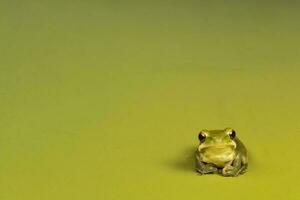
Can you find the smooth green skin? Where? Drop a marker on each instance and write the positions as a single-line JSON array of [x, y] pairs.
[[214, 143]]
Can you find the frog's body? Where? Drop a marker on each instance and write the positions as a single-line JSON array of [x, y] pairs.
[[221, 151]]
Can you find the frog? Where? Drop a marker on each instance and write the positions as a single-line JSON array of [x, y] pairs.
[[221, 152]]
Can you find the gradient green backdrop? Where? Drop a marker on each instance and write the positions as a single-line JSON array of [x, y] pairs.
[[104, 100]]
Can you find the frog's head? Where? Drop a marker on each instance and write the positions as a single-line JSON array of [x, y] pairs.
[[217, 139]]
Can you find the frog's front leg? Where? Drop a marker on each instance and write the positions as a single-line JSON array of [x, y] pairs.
[[204, 168], [233, 168]]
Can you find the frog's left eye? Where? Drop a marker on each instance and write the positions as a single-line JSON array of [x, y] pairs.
[[232, 134]]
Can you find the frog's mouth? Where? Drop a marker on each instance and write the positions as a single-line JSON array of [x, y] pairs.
[[218, 148]]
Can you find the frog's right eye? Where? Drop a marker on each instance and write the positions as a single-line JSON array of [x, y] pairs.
[[201, 136]]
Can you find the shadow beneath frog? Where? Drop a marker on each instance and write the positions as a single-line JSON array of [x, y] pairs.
[[185, 161]]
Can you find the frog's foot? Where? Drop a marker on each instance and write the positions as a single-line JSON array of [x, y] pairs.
[[227, 172], [230, 171], [207, 169]]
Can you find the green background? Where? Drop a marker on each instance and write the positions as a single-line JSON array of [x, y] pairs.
[[104, 100]]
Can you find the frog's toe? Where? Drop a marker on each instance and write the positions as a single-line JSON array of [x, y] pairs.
[[199, 172], [229, 174], [207, 170], [211, 168], [233, 172], [229, 171]]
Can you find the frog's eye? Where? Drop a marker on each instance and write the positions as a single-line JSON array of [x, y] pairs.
[[201, 136], [232, 134]]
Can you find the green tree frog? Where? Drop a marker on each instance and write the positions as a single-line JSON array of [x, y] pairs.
[[220, 151]]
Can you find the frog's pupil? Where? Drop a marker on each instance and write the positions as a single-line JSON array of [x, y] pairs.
[[201, 137], [232, 134]]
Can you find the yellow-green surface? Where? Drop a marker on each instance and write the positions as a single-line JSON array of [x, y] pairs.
[[104, 100]]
